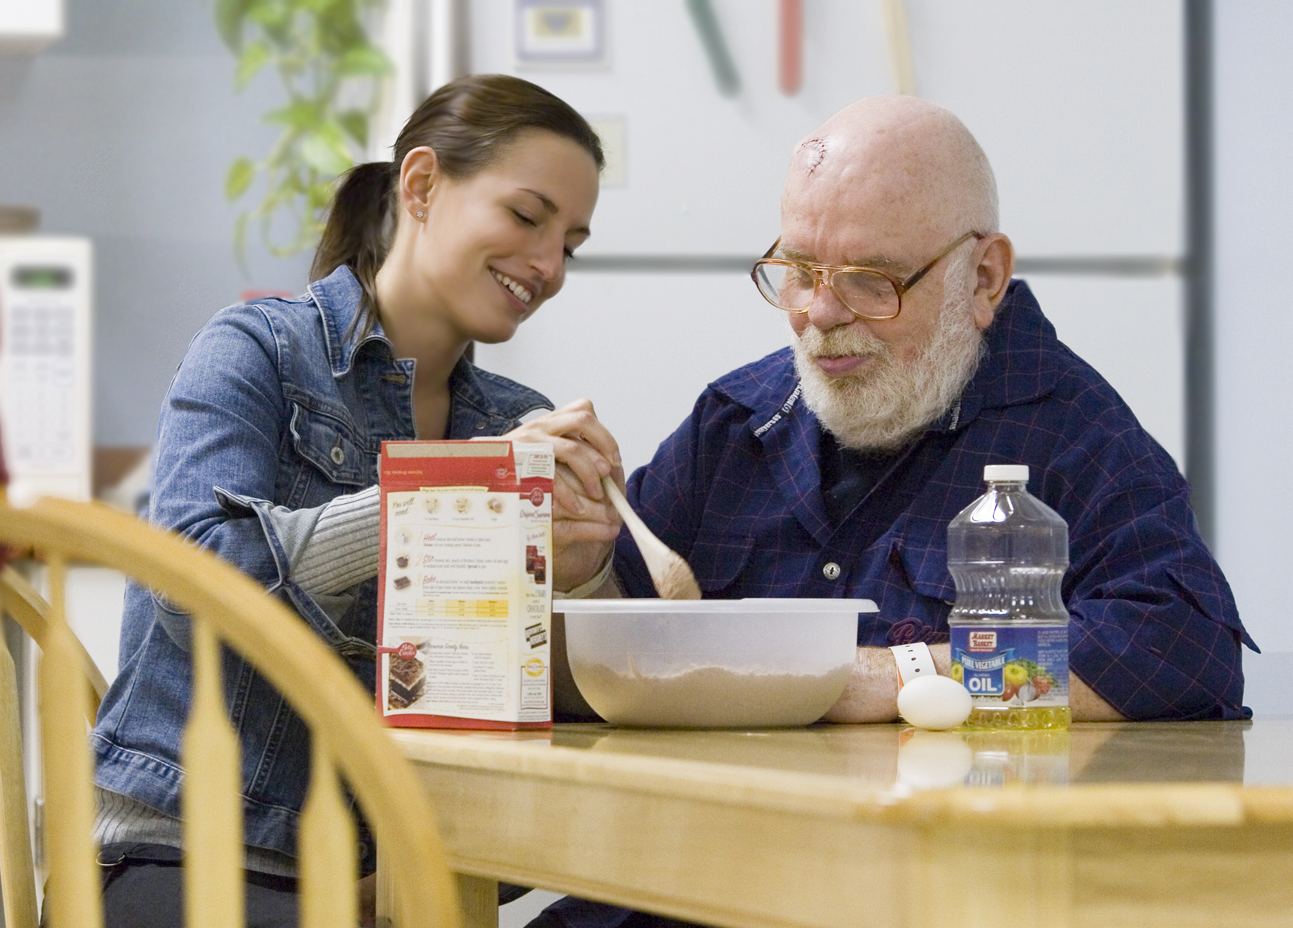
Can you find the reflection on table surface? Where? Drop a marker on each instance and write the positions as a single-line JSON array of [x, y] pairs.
[[887, 755], [1147, 824]]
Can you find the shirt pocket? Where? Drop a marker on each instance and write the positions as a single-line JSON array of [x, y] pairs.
[[921, 567], [329, 443], [718, 559]]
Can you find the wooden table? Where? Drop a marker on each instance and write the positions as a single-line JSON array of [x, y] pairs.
[[1146, 824]]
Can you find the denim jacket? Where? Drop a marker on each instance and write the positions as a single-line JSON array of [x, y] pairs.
[[276, 409]]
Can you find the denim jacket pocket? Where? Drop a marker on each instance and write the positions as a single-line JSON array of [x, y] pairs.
[[175, 621], [329, 443]]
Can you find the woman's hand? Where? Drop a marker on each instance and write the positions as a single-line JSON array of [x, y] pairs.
[[584, 523]]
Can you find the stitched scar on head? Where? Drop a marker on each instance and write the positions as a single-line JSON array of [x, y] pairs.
[[811, 153]]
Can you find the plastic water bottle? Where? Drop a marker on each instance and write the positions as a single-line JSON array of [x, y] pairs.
[[1007, 553]]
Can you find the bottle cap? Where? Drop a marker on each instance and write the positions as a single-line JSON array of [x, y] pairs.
[[1009, 473]]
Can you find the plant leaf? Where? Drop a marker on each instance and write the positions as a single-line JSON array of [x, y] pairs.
[[325, 156], [275, 18], [364, 60], [300, 115], [355, 122], [339, 28], [239, 178], [253, 58], [229, 16], [318, 197]]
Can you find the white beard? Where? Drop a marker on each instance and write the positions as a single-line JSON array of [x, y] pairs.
[[887, 405]]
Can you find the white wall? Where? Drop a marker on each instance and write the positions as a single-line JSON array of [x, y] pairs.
[[1254, 333]]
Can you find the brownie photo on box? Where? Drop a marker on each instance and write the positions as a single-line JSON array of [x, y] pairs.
[[407, 680]]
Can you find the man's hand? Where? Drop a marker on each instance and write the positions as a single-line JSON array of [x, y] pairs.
[[872, 691], [584, 523], [1087, 706]]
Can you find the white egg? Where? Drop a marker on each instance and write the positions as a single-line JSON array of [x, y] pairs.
[[936, 703]]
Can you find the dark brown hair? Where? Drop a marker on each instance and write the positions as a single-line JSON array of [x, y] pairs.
[[469, 123]]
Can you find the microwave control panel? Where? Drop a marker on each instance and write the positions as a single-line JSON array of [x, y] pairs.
[[45, 347]]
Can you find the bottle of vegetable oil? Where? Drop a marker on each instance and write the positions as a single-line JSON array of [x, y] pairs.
[[1007, 553]]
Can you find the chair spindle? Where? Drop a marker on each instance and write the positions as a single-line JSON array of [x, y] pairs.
[[212, 796], [74, 876]]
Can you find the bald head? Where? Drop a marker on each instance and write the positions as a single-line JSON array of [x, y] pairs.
[[910, 159]]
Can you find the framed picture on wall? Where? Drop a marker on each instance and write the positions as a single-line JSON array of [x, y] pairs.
[[561, 34]]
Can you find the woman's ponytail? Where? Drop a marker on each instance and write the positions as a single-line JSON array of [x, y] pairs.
[[358, 231]]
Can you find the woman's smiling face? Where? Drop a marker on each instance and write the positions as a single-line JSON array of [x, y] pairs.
[[493, 246]]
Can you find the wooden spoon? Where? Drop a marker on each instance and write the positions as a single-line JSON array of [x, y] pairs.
[[672, 577]]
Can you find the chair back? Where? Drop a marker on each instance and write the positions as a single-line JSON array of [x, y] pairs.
[[20, 601], [18, 874], [349, 743], [17, 870]]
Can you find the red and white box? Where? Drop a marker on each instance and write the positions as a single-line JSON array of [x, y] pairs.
[[464, 599]]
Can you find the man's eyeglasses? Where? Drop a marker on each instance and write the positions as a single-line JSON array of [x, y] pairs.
[[867, 292]]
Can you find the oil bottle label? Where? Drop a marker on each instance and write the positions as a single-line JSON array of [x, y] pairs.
[[1013, 665]]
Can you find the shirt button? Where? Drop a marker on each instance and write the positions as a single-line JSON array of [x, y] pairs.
[[480, 425], [831, 571], [338, 456]]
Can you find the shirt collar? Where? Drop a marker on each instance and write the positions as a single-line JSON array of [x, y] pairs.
[[1021, 362], [338, 297]]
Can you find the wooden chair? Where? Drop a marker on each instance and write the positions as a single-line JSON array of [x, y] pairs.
[[348, 740], [18, 877], [17, 871], [30, 610]]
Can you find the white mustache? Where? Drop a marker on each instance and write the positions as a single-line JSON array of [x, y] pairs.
[[838, 343], [890, 400]]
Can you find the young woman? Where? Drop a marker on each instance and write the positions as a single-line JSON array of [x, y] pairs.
[[269, 438]]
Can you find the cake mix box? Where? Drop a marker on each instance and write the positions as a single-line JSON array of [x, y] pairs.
[[465, 584]]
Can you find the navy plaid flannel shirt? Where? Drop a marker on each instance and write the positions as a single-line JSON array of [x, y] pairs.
[[1154, 631]]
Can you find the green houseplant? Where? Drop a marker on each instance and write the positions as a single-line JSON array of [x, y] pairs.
[[332, 74]]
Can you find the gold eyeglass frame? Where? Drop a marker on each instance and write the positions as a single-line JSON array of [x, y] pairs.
[[825, 274]]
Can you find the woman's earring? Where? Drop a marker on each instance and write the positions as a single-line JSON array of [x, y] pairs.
[[420, 214]]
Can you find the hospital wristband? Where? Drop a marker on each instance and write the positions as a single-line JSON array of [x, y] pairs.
[[589, 587], [914, 660]]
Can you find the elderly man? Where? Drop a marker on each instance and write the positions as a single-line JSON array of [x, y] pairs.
[[832, 468]]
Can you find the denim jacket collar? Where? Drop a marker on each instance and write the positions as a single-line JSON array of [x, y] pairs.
[[338, 297], [475, 392]]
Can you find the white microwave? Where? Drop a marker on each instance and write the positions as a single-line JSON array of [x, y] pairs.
[[45, 375]]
